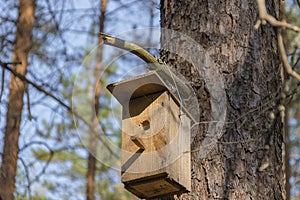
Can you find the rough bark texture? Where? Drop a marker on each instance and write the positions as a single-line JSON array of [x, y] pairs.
[[247, 162], [90, 186], [15, 103]]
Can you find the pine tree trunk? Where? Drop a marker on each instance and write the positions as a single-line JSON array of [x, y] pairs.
[[22, 47], [246, 163], [90, 186]]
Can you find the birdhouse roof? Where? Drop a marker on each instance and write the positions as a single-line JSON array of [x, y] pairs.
[[138, 86], [143, 85]]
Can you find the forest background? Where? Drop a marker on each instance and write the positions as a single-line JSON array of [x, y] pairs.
[[53, 160]]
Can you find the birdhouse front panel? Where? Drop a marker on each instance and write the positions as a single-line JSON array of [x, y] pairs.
[[147, 118], [155, 154]]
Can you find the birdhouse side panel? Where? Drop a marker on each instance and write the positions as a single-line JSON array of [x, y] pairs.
[[180, 168], [179, 146]]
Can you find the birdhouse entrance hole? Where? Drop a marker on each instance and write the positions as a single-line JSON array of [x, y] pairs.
[[146, 125]]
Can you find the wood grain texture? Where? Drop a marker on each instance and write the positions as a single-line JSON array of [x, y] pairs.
[[163, 166]]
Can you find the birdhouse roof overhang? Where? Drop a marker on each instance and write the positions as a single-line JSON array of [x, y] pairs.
[[138, 86]]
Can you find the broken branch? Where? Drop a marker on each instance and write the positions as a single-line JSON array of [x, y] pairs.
[[128, 46], [284, 58], [265, 17]]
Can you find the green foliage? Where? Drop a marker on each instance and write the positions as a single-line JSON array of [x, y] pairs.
[[75, 156], [112, 192], [64, 33]]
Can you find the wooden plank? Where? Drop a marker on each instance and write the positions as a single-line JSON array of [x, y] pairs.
[[155, 186], [152, 159], [166, 142], [179, 147], [137, 86], [185, 152]]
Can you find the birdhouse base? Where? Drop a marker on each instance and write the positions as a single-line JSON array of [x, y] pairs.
[[154, 186]]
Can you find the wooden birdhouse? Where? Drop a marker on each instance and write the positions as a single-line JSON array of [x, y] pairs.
[[155, 137]]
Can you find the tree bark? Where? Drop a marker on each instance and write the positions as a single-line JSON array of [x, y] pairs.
[[246, 163], [90, 186], [22, 47]]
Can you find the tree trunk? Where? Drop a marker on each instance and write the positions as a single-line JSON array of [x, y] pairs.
[[246, 162], [22, 47], [90, 187]]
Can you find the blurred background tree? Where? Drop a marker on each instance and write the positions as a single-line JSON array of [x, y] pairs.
[[52, 161], [292, 88]]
